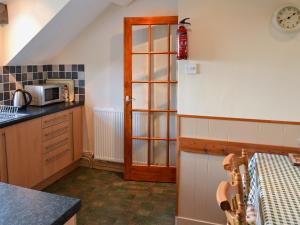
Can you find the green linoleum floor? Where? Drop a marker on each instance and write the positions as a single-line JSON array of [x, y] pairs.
[[109, 200]]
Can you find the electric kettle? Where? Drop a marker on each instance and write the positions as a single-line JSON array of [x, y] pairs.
[[21, 98]]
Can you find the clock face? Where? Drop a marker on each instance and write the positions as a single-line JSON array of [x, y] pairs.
[[288, 18]]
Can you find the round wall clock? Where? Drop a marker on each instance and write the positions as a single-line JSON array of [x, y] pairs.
[[287, 18]]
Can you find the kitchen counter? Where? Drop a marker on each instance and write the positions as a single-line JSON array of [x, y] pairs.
[[36, 112], [22, 206]]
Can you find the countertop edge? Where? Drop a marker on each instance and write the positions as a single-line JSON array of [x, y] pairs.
[[37, 112], [68, 214]]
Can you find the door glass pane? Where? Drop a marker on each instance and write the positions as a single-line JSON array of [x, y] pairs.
[[140, 124], [172, 125], [160, 38], [173, 69], [158, 152], [173, 96], [172, 153], [173, 38], [140, 67], [140, 38], [159, 67], [159, 125], [139, 151], [159, 96], [140, 96]]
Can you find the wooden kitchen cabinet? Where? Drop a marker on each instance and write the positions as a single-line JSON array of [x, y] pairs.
[[33, 151], [3, 165], [77, 132], [57, 142], [23, 146], [62, 140]]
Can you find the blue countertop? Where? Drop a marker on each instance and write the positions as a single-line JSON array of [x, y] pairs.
[[22, 206], [36, 112]]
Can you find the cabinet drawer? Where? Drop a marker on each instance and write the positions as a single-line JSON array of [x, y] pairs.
[[57, 143], [55, 163], [54, 119], [52, 132]]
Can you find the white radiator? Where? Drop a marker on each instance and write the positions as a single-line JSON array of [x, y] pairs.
[[109, 135]]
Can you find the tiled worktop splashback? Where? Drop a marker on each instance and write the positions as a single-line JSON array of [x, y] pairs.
[[15, 77]]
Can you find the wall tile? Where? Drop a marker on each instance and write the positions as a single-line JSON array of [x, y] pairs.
[[15, 77], [68, 68]]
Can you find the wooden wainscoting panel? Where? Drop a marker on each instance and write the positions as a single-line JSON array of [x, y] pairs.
[[216, 147], [200, 175]]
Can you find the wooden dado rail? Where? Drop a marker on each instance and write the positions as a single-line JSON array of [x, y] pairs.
[[220, 147], [214, 147]]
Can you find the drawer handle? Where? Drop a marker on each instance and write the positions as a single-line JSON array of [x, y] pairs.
[[57, 145], [56, 133], [57, 156]]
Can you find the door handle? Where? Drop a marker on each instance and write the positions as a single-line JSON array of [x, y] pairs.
[[128, 99]]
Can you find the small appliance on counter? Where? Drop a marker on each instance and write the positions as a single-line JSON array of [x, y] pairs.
[[45, 94], [69, 89], [21, 98]]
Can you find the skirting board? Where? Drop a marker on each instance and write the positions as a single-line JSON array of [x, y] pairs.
[[188, 221], [56, 176], [104, 165]]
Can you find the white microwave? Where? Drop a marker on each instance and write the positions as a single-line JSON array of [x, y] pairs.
[[45, 94]]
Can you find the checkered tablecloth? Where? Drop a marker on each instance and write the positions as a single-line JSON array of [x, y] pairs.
[[275, 189]]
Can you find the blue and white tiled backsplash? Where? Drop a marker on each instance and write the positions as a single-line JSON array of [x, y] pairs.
[[15, 77]]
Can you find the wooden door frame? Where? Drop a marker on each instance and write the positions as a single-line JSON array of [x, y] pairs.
[[137, 172]]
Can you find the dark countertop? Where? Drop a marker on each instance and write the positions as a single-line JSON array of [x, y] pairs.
[[36, 112], [22, 206]]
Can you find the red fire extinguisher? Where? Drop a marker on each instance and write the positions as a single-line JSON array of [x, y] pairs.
[[182, 40]]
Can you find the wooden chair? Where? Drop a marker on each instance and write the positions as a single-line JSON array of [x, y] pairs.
[[231, 202], [232, 196], [233, 164]]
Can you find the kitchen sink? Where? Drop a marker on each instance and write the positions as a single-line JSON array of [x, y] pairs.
[[11, 116], [9, 113]]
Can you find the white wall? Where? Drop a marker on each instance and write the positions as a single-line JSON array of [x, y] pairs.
[[100, 48], [26, 19], [247, 68]]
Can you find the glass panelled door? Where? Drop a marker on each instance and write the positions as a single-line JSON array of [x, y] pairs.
[[150, 86]]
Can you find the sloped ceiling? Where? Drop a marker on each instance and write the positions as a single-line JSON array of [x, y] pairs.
[[62, 29]]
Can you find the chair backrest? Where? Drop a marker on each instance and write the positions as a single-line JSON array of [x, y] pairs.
[[232, 197], [231, 202], [233, 164]]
